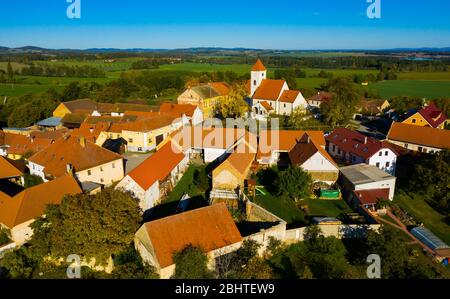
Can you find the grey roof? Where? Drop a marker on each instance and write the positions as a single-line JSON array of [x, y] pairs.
[[50, 122], [89, 186], [205, 91], [427, 237], [364, 173]]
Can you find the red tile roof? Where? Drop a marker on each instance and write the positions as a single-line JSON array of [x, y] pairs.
[[258, 66], [426, 136], [266, 105], [8, 170], [355, 143], [209, 228], [305, 149], [157, 167], [433, 115], [20, 144], [31, 202], [371, 196], [321, 96], [269, 90], [79, 152], [186, 109], [289, 96]]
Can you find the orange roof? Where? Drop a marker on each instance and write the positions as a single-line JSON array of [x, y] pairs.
[[147, 122], [305, 149], [157, 167], [20, 144], [266, 105], [269, 89], [221, 87], [241, 158], [91, 131], [426, 136], [209, 228], [79, 152], [286, 140], [289, 96], [199, 137], [8, 170], [186, 109], [258, 66], [31, 202]]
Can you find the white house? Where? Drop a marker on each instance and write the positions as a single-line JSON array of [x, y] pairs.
[[366, 177], [314, 159], [273, 93], [155, 176], [354, 148]]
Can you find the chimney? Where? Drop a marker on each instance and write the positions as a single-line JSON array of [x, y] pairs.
[[365, 140], [309, 139], [82, 142]]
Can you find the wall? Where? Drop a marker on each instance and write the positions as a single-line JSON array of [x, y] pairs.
[[211, 154], [21, 233], [391, 157], [389, 183], [340, 231], [415, 147], [105, 174]]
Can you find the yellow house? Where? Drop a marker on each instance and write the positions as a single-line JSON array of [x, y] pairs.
[[142, 135], [429, 116], [72, 106], [205, 96]]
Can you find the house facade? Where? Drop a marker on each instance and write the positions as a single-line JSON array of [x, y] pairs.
[[206, 96], [429, 116], [156, 176], [354, 148], [210, 228], [87, 161], [419, 138]]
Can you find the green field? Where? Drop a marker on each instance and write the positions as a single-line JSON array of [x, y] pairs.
[[328, 208], [416, 88], [423, 212]]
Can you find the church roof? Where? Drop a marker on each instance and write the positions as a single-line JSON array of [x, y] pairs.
[[258, 66]]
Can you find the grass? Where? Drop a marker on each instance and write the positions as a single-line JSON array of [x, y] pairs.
[[416, 206], [282, 207], [169, 204], [416, 88], [329, 208]]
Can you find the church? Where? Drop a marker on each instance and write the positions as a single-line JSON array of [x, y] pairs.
[[271, 96]]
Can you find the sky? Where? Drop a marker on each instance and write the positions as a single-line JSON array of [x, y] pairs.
[[263, 24]]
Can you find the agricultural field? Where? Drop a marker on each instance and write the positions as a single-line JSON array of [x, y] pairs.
[[417, 88]]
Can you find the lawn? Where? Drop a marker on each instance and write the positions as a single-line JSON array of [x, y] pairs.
[[169, 204], [329, 208], [418, 88], [282, 207], [415, 205]]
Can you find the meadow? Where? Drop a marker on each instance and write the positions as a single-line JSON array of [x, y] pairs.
[[418, 84]]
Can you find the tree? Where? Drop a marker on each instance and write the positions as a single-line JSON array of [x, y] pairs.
[[109, 94], [32, 180], [233, 104], [342, 107], [71, 92], [256, 268], [129, 265], [5, 236], [191, 263], [17, 264], [93, 226], [294, 182], [9, 72]]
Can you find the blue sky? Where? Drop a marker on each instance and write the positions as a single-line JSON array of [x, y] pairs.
[[283, 24]]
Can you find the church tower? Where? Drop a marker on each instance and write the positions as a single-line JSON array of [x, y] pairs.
[[258, 74]]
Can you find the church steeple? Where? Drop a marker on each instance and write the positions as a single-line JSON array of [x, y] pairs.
[[258, 74]]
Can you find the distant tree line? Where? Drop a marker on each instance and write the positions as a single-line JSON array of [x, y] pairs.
[[83, 71]]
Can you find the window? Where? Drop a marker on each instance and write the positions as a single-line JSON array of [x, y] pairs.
[[284, 105], [406, 145], [386, 153], [262, 74], [339, 151], [334, 147], [149, 140], [139, 149], [89, 172], [113, 165], [425, 150], [413, 120], [378, 164], [101, 168], [254, 82], [420, 149], [380, 154], [388, 164], [130, 140], [102, 180]]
